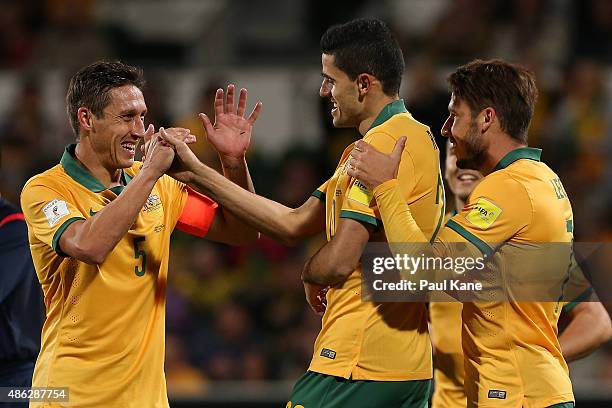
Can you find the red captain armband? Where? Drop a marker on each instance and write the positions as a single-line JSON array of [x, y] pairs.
[[198, 214]]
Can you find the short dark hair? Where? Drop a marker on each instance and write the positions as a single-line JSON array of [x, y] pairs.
[[508, 88], [366, 46], [92, 85]]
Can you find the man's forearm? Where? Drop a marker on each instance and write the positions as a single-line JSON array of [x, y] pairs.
[[335, 261], [589, 327], [324, 268], [237, 171], [400, 226], [98, 235], [405, 236], [264, 215]]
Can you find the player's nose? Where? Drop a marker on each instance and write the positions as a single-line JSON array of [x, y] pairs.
[[445, 131], [138, 128], [324, 90]]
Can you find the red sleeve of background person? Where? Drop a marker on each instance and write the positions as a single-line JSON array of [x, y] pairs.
[[197, 215]]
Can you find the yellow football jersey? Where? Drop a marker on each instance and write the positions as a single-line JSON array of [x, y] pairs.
[[386, 341], [445, 322], [103, 337], [512, 354]]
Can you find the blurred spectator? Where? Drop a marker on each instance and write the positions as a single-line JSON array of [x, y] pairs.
[[181, 377], [27, 145], [17, 35], [71, 38], [299, 178], [463, 32], [155, 95], [577, 142], [427, 97], [223, 351], [592, 25], [205, 104]]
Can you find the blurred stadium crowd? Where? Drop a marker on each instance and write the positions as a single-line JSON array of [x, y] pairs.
[[239, 313]]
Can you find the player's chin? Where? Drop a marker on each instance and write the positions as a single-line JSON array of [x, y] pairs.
[[335, 117], [339, 122], [125, 162], [464, 188]]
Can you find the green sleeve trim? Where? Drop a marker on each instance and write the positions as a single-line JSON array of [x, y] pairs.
[[435, 234], [368, 219], [480, 244], [319, 194], [581, 298], [60, 231]]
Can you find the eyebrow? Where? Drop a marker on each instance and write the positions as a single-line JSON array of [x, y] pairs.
[[131, 112]]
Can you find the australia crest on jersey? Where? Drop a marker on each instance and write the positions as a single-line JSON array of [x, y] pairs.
[[153, 203]]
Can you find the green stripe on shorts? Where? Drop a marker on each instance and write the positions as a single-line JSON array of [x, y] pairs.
[[316, 390]]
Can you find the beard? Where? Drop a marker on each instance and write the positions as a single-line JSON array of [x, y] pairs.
[[463, 195], [475, 150]]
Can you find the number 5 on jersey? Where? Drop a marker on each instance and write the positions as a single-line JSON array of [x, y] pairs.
[[140, 253]]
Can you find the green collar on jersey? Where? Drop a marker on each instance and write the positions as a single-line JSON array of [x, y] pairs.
[[517, 154], [388, 111], [82, 176]]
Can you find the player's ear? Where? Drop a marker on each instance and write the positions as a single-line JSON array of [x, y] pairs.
[[487, 117], [85, 117], [364, 82]]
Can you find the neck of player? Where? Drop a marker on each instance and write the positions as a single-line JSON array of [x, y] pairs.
[[110, 177], [372, 109], [501, 145]]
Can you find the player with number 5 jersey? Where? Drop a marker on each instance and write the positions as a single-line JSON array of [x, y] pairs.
[[99, 226]]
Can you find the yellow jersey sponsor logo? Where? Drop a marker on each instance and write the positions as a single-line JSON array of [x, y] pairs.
[[360, 193], [484, 214]]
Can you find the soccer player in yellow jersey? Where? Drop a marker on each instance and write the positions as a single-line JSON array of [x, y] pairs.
[[99, 227], [587, 327], [367, 354], [512, 353]]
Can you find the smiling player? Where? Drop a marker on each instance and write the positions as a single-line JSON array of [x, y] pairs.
[[99, 227], [512, 353]]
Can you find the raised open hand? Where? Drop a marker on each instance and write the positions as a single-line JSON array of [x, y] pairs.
[[231, 133]]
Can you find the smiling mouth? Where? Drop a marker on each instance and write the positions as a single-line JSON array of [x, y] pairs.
[[334, 107], [467, 177], [129, 147]]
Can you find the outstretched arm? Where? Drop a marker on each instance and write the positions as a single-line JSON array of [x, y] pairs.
[[287, 225]]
